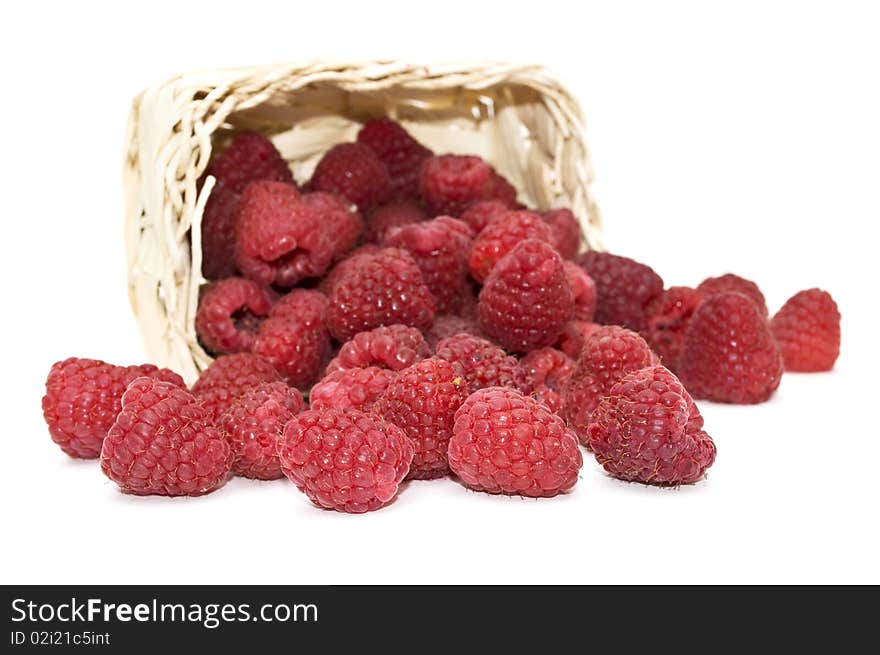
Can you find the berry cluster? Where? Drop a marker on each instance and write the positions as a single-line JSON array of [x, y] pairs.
[[401, 316]]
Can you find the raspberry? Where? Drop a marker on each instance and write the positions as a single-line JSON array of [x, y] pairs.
[[391, 346], [358, 254], [228, 377], [439, 248], [449, 184], [728, 353], [344, 459], [338, 219], [164, 443], [526, 300], [573, 334], [668, 317], [483, 364], [730, 283], [353, 170], [807, 329], [384, 218], [546, 372], [422, 401], [480, 214], [219, 221], [281, 239], [253, 426], [230, 312], [249, 157], [624, 287], [566, 229], [399, 151], [584, 290], [381, 289], [83, 397], [608, 354], [448, 326], [504, 442], [301, 304], [648, 429], [296, 346], [352, 388], [501, 235]]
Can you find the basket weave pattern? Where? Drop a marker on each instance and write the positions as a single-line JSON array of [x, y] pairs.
[[519, 118]]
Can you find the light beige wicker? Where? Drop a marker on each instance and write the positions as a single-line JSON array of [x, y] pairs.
[[517, 117]]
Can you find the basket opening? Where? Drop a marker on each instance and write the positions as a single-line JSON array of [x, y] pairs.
[[493, 123]]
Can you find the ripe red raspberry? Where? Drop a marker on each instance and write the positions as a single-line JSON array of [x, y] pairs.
[[281, 239], [504, 442], [297, 347], [344, 459], [500, 236], [584, 290], [730, 283], [546, 372], [219, 221], [351, 388], [480, 214], [353, 170], [253, 425], [483, 364], [249, 157], [648, 429], [230, 312], [526, 300], [380, 289], [390, 346], [83, 397], [608, 354], [399, 151], [384, 218], [357, 255], [422, 401], [449, 184], [567, 234], [624, 287], [228, 377], [448, 325], [302, 304], [338, 219], [573, 334], [807, 329], [440, 249], [164, 443], [728, 354], [668, 317]]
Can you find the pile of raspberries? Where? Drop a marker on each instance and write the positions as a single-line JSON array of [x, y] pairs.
[[437, 327]]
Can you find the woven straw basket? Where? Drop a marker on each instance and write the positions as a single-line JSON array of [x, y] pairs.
[[519, 118]]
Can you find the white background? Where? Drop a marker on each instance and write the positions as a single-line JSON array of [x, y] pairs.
[[741, 138]]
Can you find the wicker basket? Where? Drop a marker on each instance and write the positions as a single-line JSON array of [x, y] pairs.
[[519, 118]]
